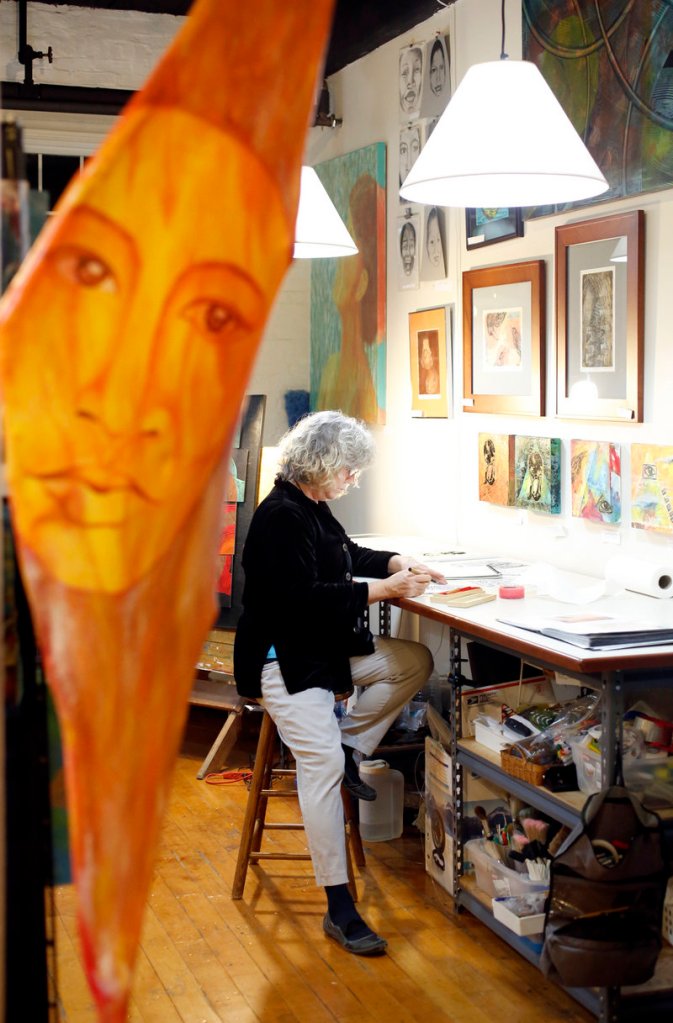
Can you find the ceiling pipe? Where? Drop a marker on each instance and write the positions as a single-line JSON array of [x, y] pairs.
[[26, 52]]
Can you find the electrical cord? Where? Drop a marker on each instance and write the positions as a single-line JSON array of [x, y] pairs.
[[228, 777]]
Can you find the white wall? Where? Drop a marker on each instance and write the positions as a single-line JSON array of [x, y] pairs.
[[425, 478]]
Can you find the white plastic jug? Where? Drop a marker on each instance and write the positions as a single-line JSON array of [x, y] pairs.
[[382, 818]]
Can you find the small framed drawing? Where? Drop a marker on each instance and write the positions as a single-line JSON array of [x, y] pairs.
[[503, 338], [490, 225], [430, 363], [599, 318]]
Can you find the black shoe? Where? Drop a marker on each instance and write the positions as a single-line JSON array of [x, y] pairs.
[[360, 789], [369, 945]]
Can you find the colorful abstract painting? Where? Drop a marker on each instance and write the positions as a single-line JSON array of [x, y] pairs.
[[496, 468], [652, 487], [348, 295], [537, 474], [596, 480], [609, 64]]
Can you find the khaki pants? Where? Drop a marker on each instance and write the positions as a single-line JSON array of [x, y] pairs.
[[386, 680]]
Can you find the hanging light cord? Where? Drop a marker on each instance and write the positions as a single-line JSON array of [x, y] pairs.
[[503, 55]]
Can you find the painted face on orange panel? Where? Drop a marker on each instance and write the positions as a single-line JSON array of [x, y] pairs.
[[125, 369]]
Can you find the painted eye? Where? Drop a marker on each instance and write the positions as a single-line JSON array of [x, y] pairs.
[[84, 269], [91, 272], [212, 317]]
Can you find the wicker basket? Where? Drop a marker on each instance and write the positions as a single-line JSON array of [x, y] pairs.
[[522, 769]]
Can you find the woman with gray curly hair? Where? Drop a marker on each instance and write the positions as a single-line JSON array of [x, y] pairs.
[[302, 642]]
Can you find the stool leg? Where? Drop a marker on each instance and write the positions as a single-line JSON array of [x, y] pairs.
[[354, 850], [353, 827], [251, 831]]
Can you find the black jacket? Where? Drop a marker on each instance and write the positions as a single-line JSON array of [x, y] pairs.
[[299, 595]]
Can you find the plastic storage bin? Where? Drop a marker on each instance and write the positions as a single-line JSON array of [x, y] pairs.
[[382, 818], [649, 776], [494, 877]]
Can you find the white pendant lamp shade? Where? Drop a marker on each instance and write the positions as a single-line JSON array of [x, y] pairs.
[[503, 140], [319, 230]]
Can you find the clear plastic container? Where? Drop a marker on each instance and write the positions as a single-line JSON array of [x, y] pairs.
[[588, 765], [382, 818], [493, 877]]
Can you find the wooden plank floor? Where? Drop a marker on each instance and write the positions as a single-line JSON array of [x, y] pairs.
[[207, 959]]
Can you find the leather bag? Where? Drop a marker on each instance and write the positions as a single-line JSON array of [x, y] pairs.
[[608, 881]]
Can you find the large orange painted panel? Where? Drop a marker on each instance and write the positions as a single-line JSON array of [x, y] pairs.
[[126, 341]]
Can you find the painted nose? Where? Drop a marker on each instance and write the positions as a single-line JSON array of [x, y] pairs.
[[138, 448]]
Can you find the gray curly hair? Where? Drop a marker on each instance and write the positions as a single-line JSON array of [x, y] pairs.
[[322, 443]]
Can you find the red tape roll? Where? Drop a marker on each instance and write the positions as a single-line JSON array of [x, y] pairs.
[[511, 592]]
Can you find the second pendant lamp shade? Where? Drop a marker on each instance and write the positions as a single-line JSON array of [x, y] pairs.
[[503, 140], [319, 230]]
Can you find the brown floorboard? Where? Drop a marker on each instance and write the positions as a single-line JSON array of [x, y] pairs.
[[207, 959]]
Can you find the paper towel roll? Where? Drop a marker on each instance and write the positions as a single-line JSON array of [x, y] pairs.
[[652, 578]]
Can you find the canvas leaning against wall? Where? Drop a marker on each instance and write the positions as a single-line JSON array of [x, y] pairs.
[[348, 295]]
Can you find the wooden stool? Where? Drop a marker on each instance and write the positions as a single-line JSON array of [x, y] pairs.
[[255, 823]]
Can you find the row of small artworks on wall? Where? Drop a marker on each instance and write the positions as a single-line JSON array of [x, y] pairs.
[[525, 472]]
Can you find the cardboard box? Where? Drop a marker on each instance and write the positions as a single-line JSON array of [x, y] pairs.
[[439, 822], [489, 699], [439, 819], [491, 738]]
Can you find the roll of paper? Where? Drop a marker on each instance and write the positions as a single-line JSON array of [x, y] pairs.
[[654, 579]]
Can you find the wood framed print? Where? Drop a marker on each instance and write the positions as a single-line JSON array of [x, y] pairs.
[[599, 318], [429, 363], [485, 226], [503, 338]]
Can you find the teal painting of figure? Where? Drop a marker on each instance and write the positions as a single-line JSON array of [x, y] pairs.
[[537, 474], [348, 295], [610, 65]]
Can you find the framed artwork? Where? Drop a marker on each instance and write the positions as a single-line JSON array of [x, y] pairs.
[[599, 318], [238, 504], [596, 481], [503, 338], [537, 474], [487, 226], [609, 65], [348, 295], [651, 487], [496, 468], [430, 363]]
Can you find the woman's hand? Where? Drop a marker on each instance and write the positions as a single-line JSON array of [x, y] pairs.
[[409, 582], [402, 561]]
